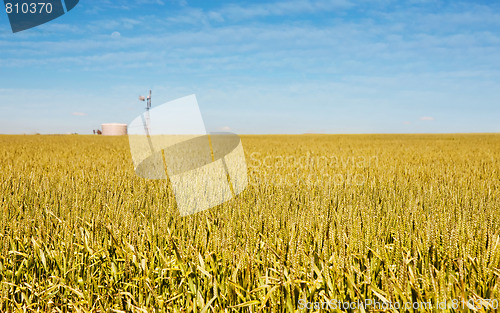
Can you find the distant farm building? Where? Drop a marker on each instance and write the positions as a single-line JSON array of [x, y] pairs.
[[114, 129]]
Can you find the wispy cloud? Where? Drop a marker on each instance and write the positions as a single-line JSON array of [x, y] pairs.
[[79, 114], [427, 118], [280, 8]]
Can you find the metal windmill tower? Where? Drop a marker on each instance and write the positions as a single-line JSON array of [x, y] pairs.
[[147, 126], [146, 120]]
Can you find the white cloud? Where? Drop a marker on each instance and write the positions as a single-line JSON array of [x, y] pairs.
[[279, 8], [427, 118], [79, 114]]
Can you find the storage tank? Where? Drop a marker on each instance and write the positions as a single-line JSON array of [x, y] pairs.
[[114, 129]]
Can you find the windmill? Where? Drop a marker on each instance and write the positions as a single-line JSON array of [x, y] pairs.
[[146, 120], [147, 126]]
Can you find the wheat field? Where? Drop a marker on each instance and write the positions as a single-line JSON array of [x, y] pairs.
[[324, 219]]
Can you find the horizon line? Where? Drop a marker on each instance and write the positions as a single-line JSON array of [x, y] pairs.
[[271, 134]]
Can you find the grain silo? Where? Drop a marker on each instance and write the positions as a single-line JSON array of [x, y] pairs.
[[114, 129]]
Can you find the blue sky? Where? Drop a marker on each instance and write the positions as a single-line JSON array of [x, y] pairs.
[[296, 66]]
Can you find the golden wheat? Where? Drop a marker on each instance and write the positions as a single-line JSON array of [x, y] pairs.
[[392, 218]]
